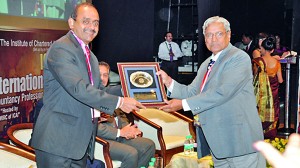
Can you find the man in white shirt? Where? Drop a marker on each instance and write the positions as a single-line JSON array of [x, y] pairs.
[[169, 52], [247, 40]]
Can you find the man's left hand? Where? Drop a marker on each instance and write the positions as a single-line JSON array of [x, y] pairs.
[[172, 105], [130, 131]]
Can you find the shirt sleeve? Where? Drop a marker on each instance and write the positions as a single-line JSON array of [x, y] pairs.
[[163, 52], [185, 105]]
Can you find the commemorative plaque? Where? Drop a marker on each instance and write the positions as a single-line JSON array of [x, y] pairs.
[[139, 81]]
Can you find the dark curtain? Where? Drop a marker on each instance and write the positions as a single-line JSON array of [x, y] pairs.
[[126, 31], [294, 74], [296, 27], [206, 9]]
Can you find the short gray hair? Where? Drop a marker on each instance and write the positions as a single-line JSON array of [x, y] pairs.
[[216, 19]]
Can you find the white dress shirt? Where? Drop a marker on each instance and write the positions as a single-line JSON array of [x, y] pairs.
[[164, 49], [185, 105]]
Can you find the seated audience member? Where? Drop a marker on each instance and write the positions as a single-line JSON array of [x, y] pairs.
[[126, 144], [289, 159], [104, 69], [267, 71]]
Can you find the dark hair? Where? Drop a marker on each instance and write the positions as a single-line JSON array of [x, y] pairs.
[[262, 35], [75, 11], [269, 43], [259, 36], [246, 34], [167, 33], [102, 63]]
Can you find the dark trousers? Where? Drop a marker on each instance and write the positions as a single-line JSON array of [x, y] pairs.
[[48, 160], [44, 159], [171, 68], [203, 148], [91, 146], [133, 153]]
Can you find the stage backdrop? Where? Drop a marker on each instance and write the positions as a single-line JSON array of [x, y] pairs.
[[126, 31], [21, 73]]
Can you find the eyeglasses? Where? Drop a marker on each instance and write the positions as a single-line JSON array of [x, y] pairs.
[[218, 35], [87, 22]]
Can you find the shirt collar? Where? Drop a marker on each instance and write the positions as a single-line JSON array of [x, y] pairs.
[[80, 42], [215, 57], [249, 43]]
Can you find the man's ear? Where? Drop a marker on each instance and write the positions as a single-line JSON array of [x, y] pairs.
[[229, 34], [71, 23]]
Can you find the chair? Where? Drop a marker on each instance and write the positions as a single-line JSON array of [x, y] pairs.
[[11, 156], [20, 134], [102, 153], [166, 130]]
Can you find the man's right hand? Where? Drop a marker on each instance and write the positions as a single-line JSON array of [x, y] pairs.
[[166, 79], [130, 104], [172, 105]]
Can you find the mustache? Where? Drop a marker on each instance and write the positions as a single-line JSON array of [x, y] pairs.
[[89, 30]]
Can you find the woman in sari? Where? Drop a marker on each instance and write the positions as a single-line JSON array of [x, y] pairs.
[[267, 71]]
